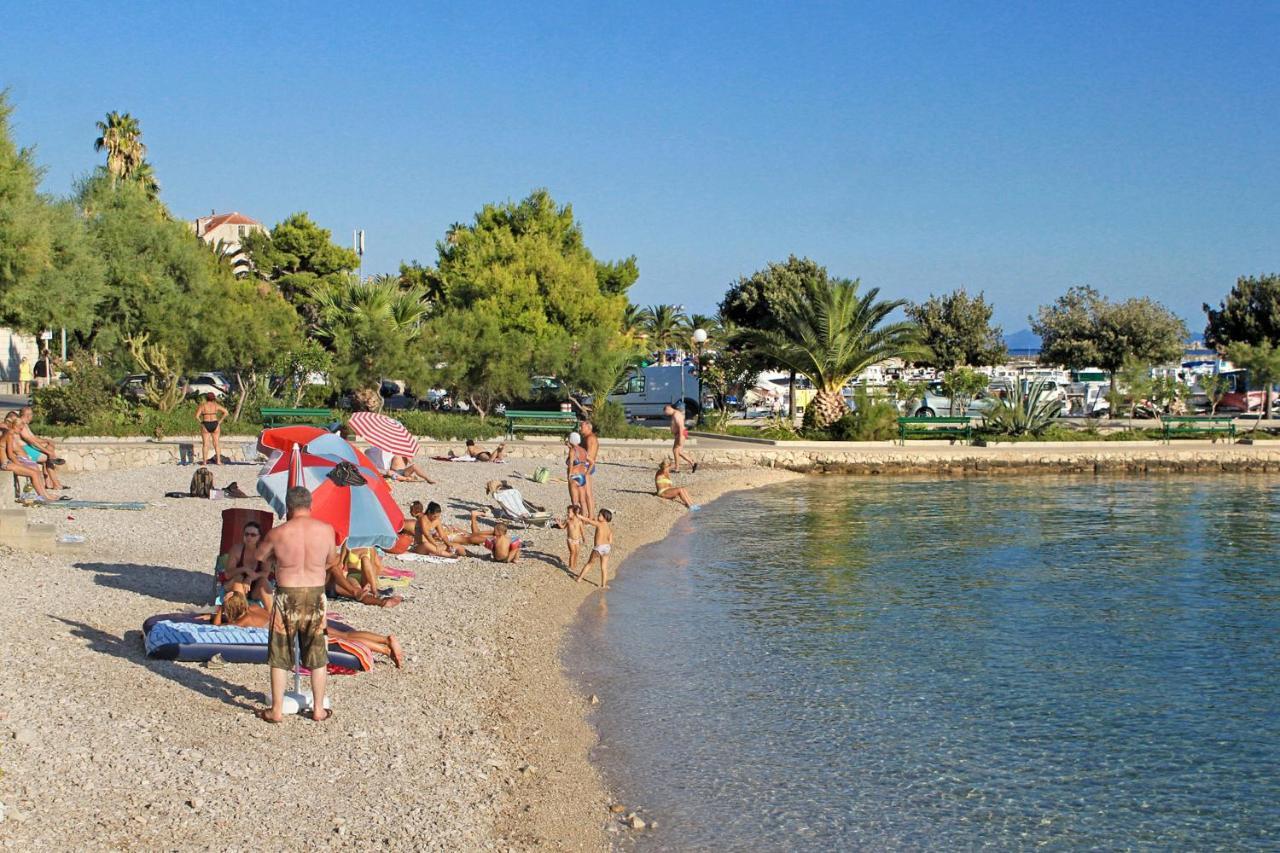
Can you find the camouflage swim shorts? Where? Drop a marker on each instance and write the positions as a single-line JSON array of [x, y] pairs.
[[298, 611]]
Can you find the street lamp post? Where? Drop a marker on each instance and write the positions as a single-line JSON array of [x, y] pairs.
[[699, 338]]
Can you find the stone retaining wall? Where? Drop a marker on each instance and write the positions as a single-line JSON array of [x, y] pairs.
[[872, 458]]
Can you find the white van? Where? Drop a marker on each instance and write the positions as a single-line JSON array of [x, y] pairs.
[[646, 390]]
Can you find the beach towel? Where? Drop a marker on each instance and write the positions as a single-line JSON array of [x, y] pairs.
[[86, 504], [384, 579], [424, 558], [393, 572], [166, 632], [454, 458]]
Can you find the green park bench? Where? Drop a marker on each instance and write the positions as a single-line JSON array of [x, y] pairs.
[[280, 417], [1187, 426], [558, 422], [949, 428]]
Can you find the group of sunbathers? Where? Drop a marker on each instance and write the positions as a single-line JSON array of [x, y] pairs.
[[425, 532], [248, 589], [28, 456]]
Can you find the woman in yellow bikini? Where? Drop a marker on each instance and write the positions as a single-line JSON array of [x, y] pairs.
[[664, 488]]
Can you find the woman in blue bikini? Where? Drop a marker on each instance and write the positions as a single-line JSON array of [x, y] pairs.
[[577, 468]]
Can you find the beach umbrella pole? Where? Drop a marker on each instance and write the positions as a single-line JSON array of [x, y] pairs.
[[297, 700]]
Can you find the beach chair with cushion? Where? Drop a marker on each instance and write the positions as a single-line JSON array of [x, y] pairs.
[[233, 522], [516, 511]]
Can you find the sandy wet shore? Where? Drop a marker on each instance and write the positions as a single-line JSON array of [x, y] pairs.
[[480, 743]]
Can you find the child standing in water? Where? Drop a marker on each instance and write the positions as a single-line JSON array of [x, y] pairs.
[[603, 545], [573, 530]]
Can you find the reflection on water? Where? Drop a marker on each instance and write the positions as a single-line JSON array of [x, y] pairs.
[[851, 663]]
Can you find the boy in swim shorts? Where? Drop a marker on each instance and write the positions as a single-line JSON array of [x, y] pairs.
[[603, 546]]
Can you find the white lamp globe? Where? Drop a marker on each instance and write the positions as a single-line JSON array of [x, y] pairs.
[[699, 336]]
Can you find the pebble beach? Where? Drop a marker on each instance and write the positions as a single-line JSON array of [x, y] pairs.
[[478, 743]]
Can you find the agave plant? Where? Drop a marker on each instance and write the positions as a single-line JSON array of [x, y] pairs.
[[1025, 411]]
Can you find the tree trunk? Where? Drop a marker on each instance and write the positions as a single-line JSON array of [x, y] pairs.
[[791, 398], [828, 407], [244, 392], [480, 410]]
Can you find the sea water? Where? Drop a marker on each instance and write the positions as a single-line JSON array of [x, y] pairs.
[[845, 663]]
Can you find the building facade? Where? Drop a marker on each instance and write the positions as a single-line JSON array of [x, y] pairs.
[[225, 232]]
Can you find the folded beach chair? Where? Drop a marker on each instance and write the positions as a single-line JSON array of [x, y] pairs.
[[515, 510]]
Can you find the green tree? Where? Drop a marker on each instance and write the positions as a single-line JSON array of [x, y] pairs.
[[834, 333], [957, 329], [1082, 328], [755, 303], [247, 333], [962, 384], [301, 259], [1262, 360], [522, 297], [157, 275], [120, 135], [371, 328], [1215, 387], [50, 276], [663, 326], [1250, 314]]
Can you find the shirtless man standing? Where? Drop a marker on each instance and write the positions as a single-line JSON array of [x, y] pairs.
[[679, 433], [304, 550]]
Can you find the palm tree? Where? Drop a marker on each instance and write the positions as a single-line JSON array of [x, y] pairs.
[[663, 324], [146, 176], [121, 137], [634, 322], [833, 335]]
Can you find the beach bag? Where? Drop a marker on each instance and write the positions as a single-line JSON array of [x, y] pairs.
[[201, 483], [542, 475]]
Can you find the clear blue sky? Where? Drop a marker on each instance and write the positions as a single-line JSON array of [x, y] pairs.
[[1013, 148]]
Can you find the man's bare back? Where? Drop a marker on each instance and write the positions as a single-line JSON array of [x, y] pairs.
[[303, 548]]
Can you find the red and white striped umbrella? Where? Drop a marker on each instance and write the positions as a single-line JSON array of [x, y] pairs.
[[384, 433]]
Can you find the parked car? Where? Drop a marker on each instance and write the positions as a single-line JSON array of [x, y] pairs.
[[208, 383], [133, 385]]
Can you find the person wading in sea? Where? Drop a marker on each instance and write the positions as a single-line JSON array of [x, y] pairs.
[[304, 550]]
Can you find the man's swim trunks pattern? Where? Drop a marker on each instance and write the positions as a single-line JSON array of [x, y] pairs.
[[298, 612]]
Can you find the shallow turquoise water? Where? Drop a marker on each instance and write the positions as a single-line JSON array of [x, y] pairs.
[[905, 664]]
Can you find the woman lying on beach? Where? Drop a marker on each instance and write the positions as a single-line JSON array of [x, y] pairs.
[[236, 610], [478, 453], [14, 460], [244, 573], [664, 488]]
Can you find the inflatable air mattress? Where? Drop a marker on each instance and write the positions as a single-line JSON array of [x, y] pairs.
[[182, 637]]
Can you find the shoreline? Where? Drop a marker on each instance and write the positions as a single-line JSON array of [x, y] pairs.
[[481, 742], [564, 802]]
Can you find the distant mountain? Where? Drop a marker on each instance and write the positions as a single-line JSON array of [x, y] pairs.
[[1024, 341]]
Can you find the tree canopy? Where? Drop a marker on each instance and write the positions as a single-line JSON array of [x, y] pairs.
[[49, 275], [1250, 314], [957, 330], [522, 297], [834, 333], [301, 259], [759, 300], [1083, 328]]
